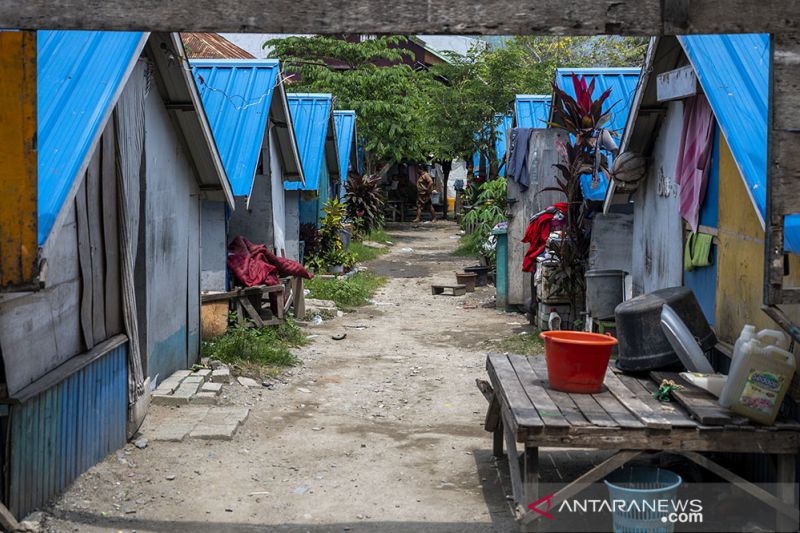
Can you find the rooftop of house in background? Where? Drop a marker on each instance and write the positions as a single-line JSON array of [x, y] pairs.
[[80, 75], [237, 97], [316, 138], [212, 46], [621, 80], [532, 110]]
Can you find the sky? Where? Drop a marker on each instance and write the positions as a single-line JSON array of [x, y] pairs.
[[252, 42]]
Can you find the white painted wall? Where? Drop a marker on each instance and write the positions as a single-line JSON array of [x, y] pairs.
[[278, 198], [657, 260], [171, 315], [292, 205]]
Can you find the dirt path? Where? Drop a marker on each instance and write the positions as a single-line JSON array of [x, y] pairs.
[[381, 431]]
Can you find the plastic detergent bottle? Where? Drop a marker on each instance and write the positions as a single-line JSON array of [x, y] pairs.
[[762, 381], [728, 392]]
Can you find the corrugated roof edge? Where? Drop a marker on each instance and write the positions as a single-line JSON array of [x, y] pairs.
[[598, 70], [205, 126], [234, 62], [47, 243], [315, 96]]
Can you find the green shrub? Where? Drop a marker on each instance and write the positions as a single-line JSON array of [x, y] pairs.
[[365, 253], [265, 347], [347, 293]]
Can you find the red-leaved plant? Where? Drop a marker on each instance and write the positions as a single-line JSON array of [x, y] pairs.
[[583, 118]]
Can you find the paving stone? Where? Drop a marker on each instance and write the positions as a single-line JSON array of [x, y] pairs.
[[194, 379], [175, 426], [221, 375], [220, 423], [163, 398], [204, 398], [168, 386], [248, 382], [214, 388], [204, 373], [172, 432], [180, 374], [186, 390]]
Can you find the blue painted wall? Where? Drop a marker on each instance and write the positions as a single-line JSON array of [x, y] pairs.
[[59, 434], [703, 281], [311, 209]]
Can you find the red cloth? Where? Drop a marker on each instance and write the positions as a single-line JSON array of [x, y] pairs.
[[250, 263], [288, 267], [537, 233]]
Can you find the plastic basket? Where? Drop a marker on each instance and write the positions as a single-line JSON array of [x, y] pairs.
[[645, 486]]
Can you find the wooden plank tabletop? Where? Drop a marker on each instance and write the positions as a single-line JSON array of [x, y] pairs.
[[624, 412]]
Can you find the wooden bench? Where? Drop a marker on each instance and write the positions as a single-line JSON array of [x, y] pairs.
[[627, 419], [248, 302], [455, 290]]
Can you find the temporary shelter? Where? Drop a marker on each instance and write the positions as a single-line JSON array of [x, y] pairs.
[[121, 140], [312, 115], [249, 115], [732, 73]]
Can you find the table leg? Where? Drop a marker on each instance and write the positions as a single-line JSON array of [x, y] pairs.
[[497, 440], [531, 474], [787, 489], [530, 481]]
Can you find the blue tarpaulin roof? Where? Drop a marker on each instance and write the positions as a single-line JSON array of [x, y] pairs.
[[532, 110], [734, 73], [236, 96], [622, 82], [80, 76], [311, 114], [345, 122]]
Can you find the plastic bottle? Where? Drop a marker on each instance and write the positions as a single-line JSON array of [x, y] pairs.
[[728, 392], [773, 337], [768, 370]]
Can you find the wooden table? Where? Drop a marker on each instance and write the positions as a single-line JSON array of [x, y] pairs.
[[627, 419]]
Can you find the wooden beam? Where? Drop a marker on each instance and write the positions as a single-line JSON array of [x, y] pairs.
[[785, 508], [561, 17], [19, 245], [783, 164], [584, 481]]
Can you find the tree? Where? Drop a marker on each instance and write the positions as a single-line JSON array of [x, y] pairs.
[[370, 78], [479, 88]]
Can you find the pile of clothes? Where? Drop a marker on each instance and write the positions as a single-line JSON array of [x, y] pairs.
[[255, 264], [539, 228]]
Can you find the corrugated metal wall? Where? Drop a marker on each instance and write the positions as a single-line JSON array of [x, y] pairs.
[[62, 432]]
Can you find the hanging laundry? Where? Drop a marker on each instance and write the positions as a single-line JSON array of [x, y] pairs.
[[694, 157], [697, 252], [517, 168], [538, 231]]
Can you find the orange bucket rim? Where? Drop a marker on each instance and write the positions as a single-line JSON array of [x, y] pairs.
[[573, 337]]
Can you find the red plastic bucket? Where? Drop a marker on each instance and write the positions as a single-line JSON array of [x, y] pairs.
[[576, 360]]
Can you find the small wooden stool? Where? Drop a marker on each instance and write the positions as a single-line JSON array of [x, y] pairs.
[[456, 290]]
